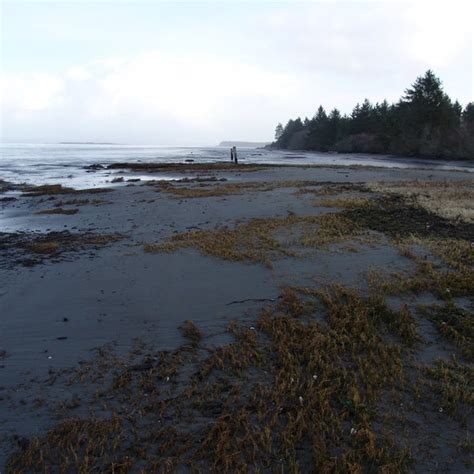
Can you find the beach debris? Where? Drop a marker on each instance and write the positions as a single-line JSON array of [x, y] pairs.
[[248, 300]]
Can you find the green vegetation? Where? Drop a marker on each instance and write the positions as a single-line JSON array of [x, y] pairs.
[[425, 122]]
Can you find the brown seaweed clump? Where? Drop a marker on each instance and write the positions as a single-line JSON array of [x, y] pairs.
[[256, 240], [310, 386]]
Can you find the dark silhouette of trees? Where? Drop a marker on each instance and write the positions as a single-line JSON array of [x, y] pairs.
[[425, 122], [278, 131], [468, 114]]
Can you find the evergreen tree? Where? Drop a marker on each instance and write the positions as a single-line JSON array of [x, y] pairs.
[[292, 127], [428, 105], [278, 131], [468, 114], [317, 139], [425, 122], [362, 118], [334, 127]]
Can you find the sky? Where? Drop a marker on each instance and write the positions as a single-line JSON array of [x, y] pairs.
[[193, 73]]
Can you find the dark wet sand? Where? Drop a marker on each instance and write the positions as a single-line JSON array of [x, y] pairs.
[[54, 313]]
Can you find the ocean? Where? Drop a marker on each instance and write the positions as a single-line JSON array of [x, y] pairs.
[[65, 163]]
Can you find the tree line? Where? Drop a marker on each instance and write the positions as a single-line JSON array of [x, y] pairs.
[[424, 122]]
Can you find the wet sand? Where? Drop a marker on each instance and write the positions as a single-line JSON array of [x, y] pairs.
[[56, 308]]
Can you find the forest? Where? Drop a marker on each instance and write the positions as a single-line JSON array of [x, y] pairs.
[[425, 122]]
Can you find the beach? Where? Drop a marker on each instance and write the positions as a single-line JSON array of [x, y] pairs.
[[145, 321]]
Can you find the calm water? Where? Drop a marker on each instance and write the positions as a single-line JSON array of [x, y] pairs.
[[64, 164]]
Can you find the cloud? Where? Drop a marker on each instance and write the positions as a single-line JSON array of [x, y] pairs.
[[274, 63], [34, 93], [438, 32], [197, 94], [78, 73]]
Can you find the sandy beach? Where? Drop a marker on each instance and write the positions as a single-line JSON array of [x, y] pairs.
[[239, 318]]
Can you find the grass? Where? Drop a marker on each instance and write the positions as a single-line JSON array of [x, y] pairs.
[[332, 228], [288, 394], [353, 202], [191, 332], [442, 283], [396, 218], [202, 191], [454, 384], [208, 191], [447, 199], [77, 445], [58, 210], [309, 386], [256, 240], [454, 324], [57, 242], [457, 253], [325, 189], [452, 276]]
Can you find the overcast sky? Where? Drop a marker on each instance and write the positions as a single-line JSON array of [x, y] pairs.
[[190, 73]]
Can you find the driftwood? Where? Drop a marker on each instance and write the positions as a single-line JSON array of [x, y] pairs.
[[256, 300]]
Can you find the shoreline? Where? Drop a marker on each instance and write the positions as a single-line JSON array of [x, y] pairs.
[[96, 301], [35, 164], [387, 155]]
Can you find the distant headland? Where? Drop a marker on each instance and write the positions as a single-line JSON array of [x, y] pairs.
[[243, 144], [89, 143]]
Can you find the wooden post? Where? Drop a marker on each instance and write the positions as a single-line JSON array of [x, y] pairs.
[[235, 154], [231, 154]]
